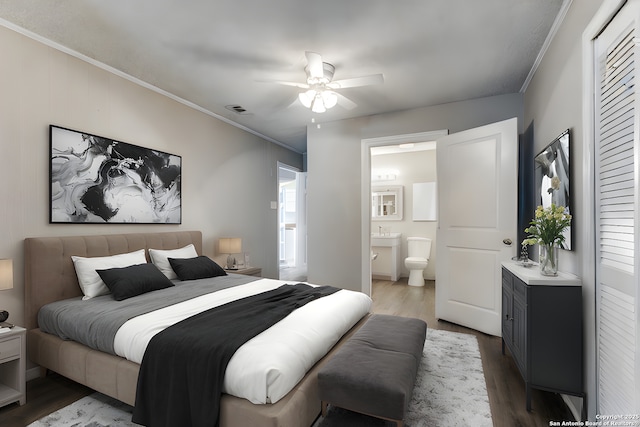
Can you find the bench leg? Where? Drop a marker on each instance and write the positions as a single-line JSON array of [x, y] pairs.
[[324, 408], [325, 405]]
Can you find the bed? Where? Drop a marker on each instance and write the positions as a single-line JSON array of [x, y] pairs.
[[50, 276]]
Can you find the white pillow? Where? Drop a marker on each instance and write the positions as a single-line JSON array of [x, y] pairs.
[[160, 258], [88, 278]]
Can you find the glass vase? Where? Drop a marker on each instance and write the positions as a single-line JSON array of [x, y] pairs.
[[548, 260]]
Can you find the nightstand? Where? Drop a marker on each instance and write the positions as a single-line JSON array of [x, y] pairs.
[[249, 271], [12, 366]]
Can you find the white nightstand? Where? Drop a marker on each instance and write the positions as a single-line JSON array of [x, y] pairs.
[[12, 366]]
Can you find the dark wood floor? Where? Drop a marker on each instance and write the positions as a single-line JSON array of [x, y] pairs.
[[44, 396], [504, 383]]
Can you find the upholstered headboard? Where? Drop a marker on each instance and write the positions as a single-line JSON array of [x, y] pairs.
[[49, 273]]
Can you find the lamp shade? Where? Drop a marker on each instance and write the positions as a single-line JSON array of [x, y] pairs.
[[318, 100], [6, 274], [307, 97], [329, 98], [230, 245]]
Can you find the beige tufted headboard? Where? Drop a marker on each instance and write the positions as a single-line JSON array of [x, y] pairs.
[[49, 273]]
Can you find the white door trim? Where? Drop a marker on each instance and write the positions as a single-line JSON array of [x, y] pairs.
[[281, 165], [365, 191]]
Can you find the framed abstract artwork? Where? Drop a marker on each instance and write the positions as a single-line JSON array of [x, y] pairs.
[[553, 177], [100, 180]]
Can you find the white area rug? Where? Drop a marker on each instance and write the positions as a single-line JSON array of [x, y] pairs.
[[95, 410], [450, 391]]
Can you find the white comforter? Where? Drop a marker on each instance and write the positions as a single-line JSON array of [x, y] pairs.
[[268, 366]]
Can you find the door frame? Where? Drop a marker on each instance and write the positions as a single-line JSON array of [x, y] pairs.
[[365, 181], [281, 165]]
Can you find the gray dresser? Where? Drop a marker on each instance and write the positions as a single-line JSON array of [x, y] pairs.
[[542, 328]]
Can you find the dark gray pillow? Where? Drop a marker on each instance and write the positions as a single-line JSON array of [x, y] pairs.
[[199, 267], [127, 282]]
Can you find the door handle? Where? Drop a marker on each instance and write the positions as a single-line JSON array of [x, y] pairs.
[[507, 241]]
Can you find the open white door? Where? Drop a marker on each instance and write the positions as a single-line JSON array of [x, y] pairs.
[[477, 190]]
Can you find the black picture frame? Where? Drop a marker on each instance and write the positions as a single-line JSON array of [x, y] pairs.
[[98, 180], [553, 178]]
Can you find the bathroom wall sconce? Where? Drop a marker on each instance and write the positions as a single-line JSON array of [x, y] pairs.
[[6, 281], [384, 175], [230, 246]]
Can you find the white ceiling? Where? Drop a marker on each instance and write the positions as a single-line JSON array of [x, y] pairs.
[[214, 53]]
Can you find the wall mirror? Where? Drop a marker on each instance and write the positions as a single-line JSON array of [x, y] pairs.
[[425, 202], [386, 203], [553, 183]]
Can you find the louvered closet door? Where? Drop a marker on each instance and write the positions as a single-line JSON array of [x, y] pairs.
[[616, 196]]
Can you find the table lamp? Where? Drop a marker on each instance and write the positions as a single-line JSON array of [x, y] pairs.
[[6, 282], [230, 246]]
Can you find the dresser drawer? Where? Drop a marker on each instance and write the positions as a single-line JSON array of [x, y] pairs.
[[9, 349]]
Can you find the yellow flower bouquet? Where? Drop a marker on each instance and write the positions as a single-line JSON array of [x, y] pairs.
[[547, 230]]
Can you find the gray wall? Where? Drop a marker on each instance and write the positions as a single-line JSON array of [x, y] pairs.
[[229, 175], [335, 220], [553, 102]]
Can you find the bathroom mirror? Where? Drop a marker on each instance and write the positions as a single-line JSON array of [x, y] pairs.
[[425, 202], [386, 203]]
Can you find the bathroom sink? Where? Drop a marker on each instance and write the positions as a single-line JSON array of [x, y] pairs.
[[388, 246], [385, 239], [385, 235]]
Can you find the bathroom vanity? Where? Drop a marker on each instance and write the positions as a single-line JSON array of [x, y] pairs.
[[387, 263]]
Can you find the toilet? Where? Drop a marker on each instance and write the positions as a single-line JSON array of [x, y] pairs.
[[419, 250]]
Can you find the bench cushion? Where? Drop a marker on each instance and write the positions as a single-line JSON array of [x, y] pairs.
[[375, 370]]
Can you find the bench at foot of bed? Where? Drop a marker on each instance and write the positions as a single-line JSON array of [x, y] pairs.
[[374, 372]]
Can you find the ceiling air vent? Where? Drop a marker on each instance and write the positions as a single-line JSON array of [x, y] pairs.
[[236, 109]]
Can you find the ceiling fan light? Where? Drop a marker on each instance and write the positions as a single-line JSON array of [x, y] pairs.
[[318, 105], [306, 98], [330, 99]]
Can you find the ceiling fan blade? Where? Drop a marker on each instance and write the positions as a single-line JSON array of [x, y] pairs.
[[314, 67], [374, 79], [294, 84], [345, 102]]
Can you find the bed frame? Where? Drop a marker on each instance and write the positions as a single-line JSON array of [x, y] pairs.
[[50, 276]]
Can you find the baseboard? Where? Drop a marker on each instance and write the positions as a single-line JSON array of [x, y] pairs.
[[572, 407]]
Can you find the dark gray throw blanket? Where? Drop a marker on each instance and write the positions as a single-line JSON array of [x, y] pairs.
[[182, 371]]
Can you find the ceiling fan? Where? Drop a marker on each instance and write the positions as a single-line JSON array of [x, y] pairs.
[[320, 93]]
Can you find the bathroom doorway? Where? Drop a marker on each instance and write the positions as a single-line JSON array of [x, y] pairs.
[[396, 172], [398, 163], [292, 227]]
